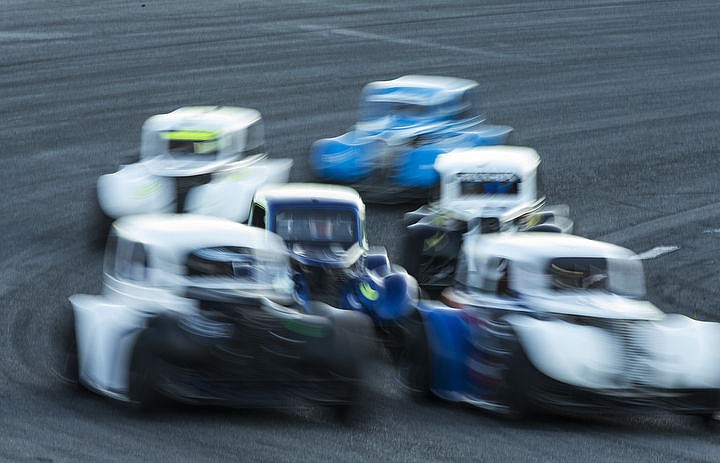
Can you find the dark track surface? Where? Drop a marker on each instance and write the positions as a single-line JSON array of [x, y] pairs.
[[620, 99]]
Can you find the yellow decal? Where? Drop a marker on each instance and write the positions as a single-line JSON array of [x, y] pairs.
[[532, 220], [367, 291], [433, 241], [239, 175], [147, 190], [190, 135]]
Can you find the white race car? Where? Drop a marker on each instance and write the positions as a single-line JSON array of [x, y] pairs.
[[494, 188], [201, 309], [202, 159], [559, 322]]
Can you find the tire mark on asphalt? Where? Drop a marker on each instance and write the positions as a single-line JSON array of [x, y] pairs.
[[659, 224], [416, 43]]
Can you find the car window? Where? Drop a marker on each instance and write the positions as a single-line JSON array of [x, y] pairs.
[[501, 184], [241, 265], [317, 226], [257, 216], [130, 261], [578, 273], [191, 143]]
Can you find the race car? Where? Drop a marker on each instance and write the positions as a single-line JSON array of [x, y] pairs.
[[492, 188], [201, 159], [403, 125], [324, 229], [559, 323], [201, 310]]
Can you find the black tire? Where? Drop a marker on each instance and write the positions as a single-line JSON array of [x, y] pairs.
[[347, 366], [142, 380], [709, 421], [66, 345], [518, 377], [413, 360]]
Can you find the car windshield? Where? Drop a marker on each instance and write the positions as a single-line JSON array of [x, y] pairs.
[[243, 266], [317, 226], [372, 110], [618, 276], [189, 144], [505, 184]]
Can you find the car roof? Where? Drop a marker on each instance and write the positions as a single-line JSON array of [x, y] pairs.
[[309, 192], [213, 118], [541, 247], [182, 233], [515, 159], [418, 89]]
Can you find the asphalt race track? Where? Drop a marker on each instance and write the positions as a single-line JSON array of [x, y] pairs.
[[620, 98]]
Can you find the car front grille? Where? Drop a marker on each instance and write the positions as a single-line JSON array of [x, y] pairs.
[[326, 284], [634, 358]]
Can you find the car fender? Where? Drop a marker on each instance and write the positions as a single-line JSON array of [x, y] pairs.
[[577, 355], [387, 296], [377, 260], [447, 337], [105, 332], [681, 352], [345, 158], [134, 190], [416, 167], [230, 192]]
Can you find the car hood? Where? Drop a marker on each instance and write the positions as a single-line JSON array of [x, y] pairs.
[[603, 305], [504, 209], [330, 256], [167, 166]]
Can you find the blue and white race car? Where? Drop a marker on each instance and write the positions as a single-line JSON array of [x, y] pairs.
[[324, 229], [403, 125], [557, 322]]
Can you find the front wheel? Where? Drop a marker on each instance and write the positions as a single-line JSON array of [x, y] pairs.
[[413, 358], [142, 387], [66, 345], [517, 381]]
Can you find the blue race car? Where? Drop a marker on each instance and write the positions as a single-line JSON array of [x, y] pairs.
[[403, 125], [324, 228]]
